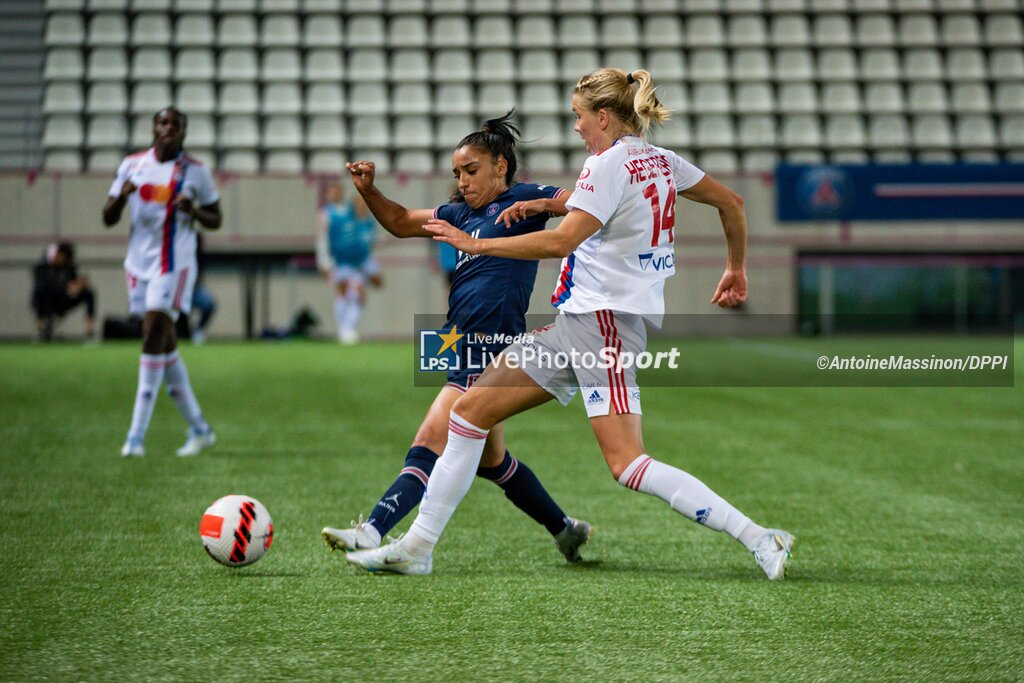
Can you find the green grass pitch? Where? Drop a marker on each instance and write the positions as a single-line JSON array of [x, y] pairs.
[[908, 504]]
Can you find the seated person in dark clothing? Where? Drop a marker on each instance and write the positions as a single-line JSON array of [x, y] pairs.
[[58, 288]]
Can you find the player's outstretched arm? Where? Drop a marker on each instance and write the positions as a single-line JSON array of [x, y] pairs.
[[521, 210], [393, 217], [732, 288], [557, 243]]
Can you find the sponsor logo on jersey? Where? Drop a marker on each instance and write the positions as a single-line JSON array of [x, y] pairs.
[[651, 262], [586, 187], [585, 174]]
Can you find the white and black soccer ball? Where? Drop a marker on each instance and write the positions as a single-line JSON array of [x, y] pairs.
[[236, 530]]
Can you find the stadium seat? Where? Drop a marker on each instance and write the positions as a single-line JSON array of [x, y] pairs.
[[495, 98], [326, 161], [492, 32], [543, 131], [626, 59], [702, 6], [238, 131], [755, 98], [545, 161], [368, 98], [239, 161], [801, 131], [201, 131], [1007, 64], [141, 135], [448, 130], [104, 160], [975, 132], [840, 98], [666, 65], [573, 32], [879, 64], [853, 157], [62, 5], [450, 98], [714, 131], [797, 98], [237, 30], [412, 132], [63, 64], [407, 6], [620, 31], [1011, 133], [710, 98], [404, 31], [377, 155], [1004, 30], [845, 131], [875, 30], [833, 30], [239, 6], [62, 131], [110, 30], [64, 29], [663, 31], [371, 131], [281, 98], [719, 161], [494, 66], [578, 155], [326, 132], [673, 95], [490, 6], [450, 31], [194, 30], [910, 6], [541, 98], [538, 65], [107, 131], [280, 64], [409, 66], [107, 64], [452, 66], [196, 98], [322, 30], [325, 98], [759, 161], [790, 30], [69, 161], [282, 132], [922, 64], [918, 30], [323, 65], [927, 98], [960, 30], [805, 156], [194, 5], [971, 98], [365, 31], [539, 31], [107, 98], [883, 98], [705, 30], [1009, 98], [674, 133], [757, 131], [837, 64], [931, 131], [238, 98], [578, 62], [966, 64], [237, 64], [190, 64], [279, 30], [747, 30], [150, 97], [63, 98], [367, 65], [279, 6], [283, 161], [708, 65], [414, 98], [794, 65]]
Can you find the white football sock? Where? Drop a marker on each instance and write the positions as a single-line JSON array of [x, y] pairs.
[[179, 388], [340, 307], [449, 482], [353, 312], [689, 497], [151, 374]]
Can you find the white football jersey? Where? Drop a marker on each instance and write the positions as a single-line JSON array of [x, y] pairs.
[[631, 188], [162, 240]]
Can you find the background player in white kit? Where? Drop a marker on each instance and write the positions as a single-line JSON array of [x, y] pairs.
[[165, 190], [620, 225]]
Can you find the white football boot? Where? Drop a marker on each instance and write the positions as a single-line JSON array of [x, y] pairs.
[[772, 552], [133, 448], [196, 442], [392, 558], [576, 533], [361, 536]]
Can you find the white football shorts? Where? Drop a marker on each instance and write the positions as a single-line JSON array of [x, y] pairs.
[[170, 293]]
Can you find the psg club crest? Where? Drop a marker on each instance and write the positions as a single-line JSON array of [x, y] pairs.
[[492, 209], [824, 192], [439, 350]]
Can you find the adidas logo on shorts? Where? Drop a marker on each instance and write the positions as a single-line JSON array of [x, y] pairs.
[[594, 398]]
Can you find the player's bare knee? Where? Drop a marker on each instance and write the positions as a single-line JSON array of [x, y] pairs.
[[471, 410], [431, 437]]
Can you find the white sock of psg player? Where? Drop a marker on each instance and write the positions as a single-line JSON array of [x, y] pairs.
[[340, 306], [179, 388], [689, 497], [151, 375], [449, 482], [353, 311]]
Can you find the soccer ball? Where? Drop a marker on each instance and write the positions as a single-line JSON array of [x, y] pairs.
[[236, 530]]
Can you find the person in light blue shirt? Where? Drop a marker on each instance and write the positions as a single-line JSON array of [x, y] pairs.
[[345, 256]]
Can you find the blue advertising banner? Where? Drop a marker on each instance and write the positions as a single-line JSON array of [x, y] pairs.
[[900, 192]]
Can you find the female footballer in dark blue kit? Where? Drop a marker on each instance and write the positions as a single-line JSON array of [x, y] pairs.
[[489, 296]]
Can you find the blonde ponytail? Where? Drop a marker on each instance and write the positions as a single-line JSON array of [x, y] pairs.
[[612, 89], [645, 103]]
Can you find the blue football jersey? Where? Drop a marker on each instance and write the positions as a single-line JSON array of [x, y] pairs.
[[489, 294]]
